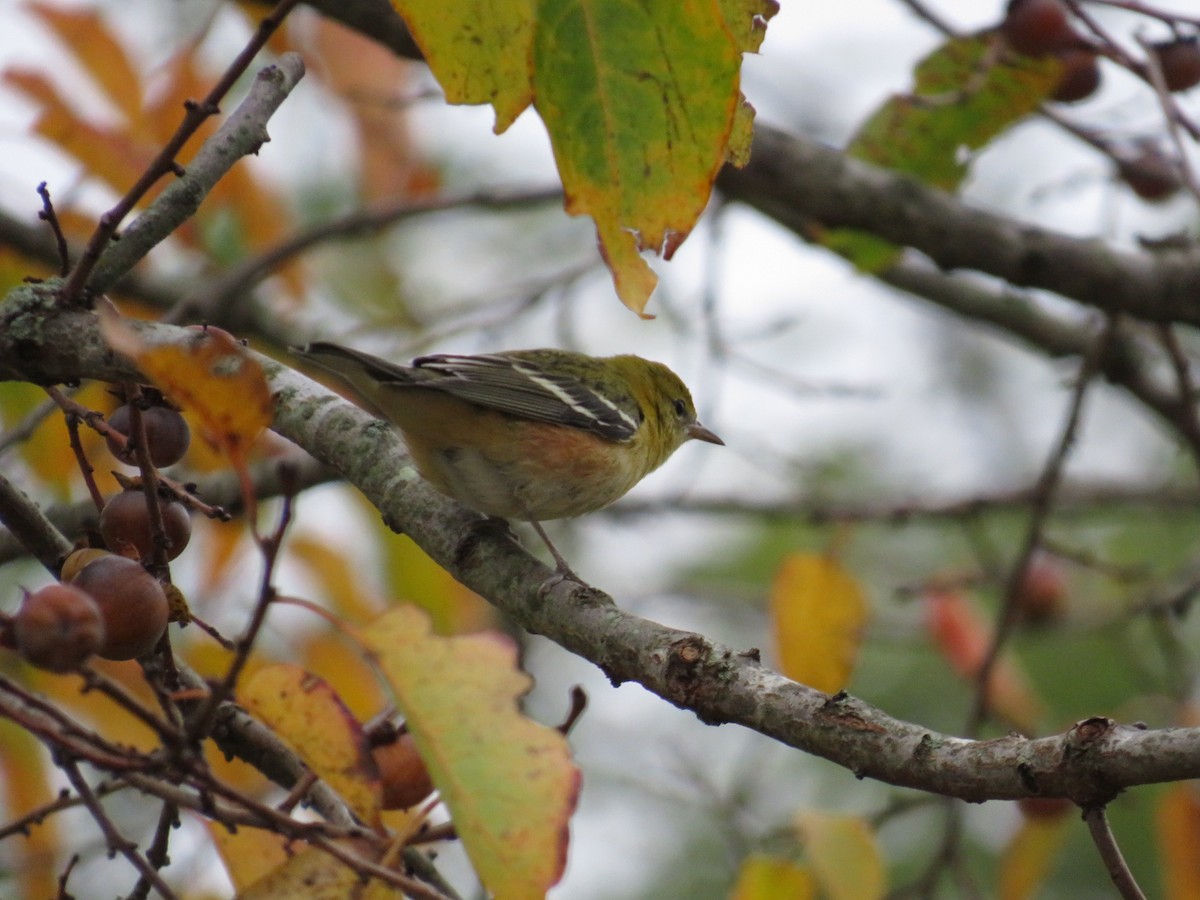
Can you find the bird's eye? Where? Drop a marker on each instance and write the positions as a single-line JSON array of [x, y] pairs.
[[680, 408]]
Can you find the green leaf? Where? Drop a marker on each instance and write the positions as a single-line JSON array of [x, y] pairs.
[[508, 782], [966, 93], [477, 49]]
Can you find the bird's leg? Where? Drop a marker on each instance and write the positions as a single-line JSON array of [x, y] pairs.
[[561, 568]]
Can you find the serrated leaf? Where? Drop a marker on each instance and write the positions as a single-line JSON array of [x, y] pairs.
[[843, 854], [640, 103], [478, 50], [1029, 856], [818, 613], [508, 782], [771, 878], [965, 94], [305, 711]]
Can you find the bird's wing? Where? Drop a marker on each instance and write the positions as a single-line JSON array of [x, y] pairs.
[[518, 385]]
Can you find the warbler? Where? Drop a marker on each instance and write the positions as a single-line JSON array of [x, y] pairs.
[[526, 434]]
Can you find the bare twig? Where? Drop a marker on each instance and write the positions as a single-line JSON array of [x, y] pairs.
[[194, 116], [1110, 852], [49, 216]]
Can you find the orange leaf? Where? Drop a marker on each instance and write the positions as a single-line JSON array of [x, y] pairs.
[[304, 710], [963, 637], [25, 774], [508, 782], [843, 855], [1178, 822], [92, 44], [818, 613], [212, 375]]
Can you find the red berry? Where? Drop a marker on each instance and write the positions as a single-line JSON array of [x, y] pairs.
[[1080, 77], [132, 605], [1039, 27], [58, 627], [1180, 63], [167, 435], [125, 525]]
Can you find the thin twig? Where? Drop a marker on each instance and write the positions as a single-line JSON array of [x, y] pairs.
[[117, 843], [157, 855], [1040, 505], [1110, 852], [194, 116], [50, 217]]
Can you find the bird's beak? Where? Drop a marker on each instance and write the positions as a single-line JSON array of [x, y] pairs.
[[700, 433]]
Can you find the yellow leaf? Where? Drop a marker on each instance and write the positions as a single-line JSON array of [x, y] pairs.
[[25, 774], [1178, 822], [304, 711], [843, 855], [771, 878], [313, 874], [818, 613], [477, 49], [1027, 859], [212, 375], [249, 853], [508, 782]]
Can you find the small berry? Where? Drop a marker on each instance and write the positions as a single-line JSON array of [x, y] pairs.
[[132, 605], [58, 627], [1039, 27], [1180, 63], [125, 525], [1150, 175], [1080, 76], [167, 435]]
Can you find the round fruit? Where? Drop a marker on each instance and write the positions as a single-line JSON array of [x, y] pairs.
[[1038, 27], [402, 772], [1151, 176], [133, 605], [1042, 595], [58, 627], [1080, 76], [1180, 63], [167, 435], [126, 528]]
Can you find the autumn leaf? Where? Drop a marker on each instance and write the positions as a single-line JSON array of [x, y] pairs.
[[966, 93], [818, 613], [213, 376], [304, 710], [963, 638], [508, 782], [641, 102], [843, 855], [1178, 821], [249, 853], [771, 878], [313, 874], [1030, 855]]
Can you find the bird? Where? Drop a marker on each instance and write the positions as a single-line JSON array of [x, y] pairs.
[[532, 435]]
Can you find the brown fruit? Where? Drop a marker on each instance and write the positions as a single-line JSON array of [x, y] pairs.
[[1180, 63], [167, 435], [1080, 77], [126, 528], [1038, 27], [133, 605], [58, 627], [402, 772], [1151, 176], [1042, 595]]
